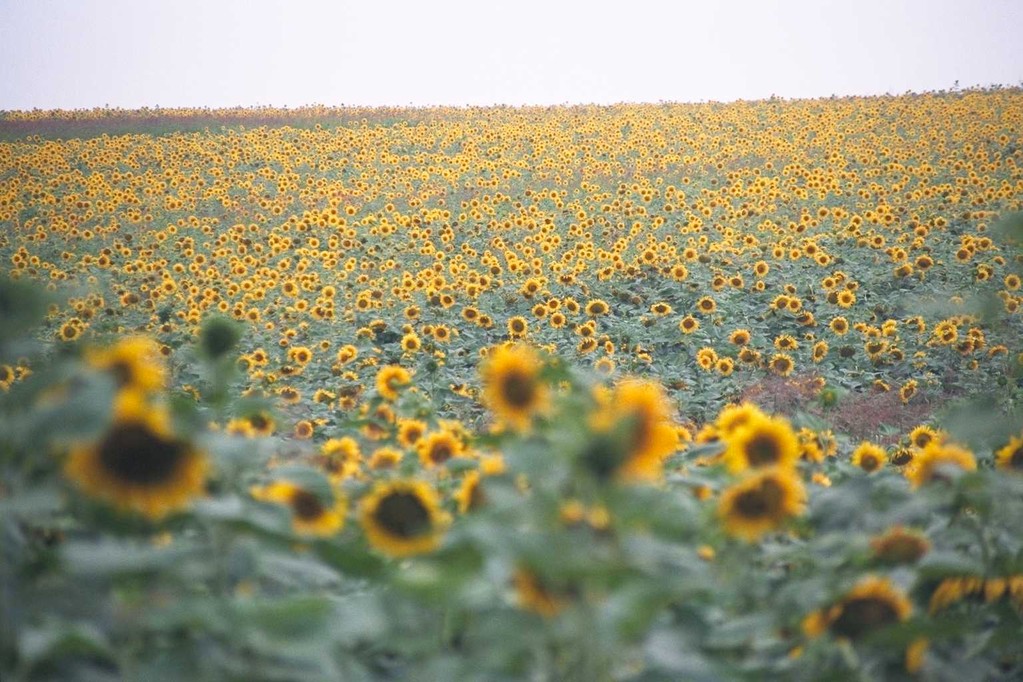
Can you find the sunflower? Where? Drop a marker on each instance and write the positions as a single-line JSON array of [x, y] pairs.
[[759, 442], [533, 595], [927, 465], [688, 324], [661, 309], [261, 422], [512, 387], [410, 343], [781, 364], [874, 603], [1010, 457], [390, 379], [410, 431], [634, 432], [900, 545], [290, 395], [300, 355], [402, 518], [597, 307], [310, 513], [922, 436], [605, 366], [706, 358], [786, 342], [740, 337], [385, 458], [304, 429], [839, 325], [733, 417], [517, 327], [6, 377], [869, 457], [438, 447], [138, 464], [469, 495], [846, 299], [761, 503], [340, 457], [134, 363], [706, 305]]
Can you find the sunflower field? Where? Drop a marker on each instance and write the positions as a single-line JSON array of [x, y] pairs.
[[632, 392]]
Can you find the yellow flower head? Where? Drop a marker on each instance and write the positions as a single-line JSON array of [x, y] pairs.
[[403, 518], [138, 464], [761, 502], [311, 515], [391, 379], [512, 387], [134, 362]]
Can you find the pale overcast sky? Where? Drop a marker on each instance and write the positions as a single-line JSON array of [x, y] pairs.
[[132, 53]]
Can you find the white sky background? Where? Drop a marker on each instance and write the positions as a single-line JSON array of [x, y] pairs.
[[132, 53]]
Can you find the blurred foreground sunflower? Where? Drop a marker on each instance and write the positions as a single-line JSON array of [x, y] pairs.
[[761, 503], [311, 514], [403, 518], [634, 432], [134, 362], [138, 464], [874, 603], [512, 387]]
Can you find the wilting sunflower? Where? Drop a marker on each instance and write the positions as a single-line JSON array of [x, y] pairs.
[[1010, 457], [512, 387], [874, 603], [134, 362], [310, 513], [927, 465], [761, 442], [634, 432], [138, 464], [402, 518], [391, 379], [761, 503]]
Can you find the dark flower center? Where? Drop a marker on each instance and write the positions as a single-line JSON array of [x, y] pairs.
[[603, 456], [762, 450], [518, 390], [403, 514], [306, 505], [862, 616], [440, 452], [134, 454], [902, 457], [760, 502], [1016, 460]]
